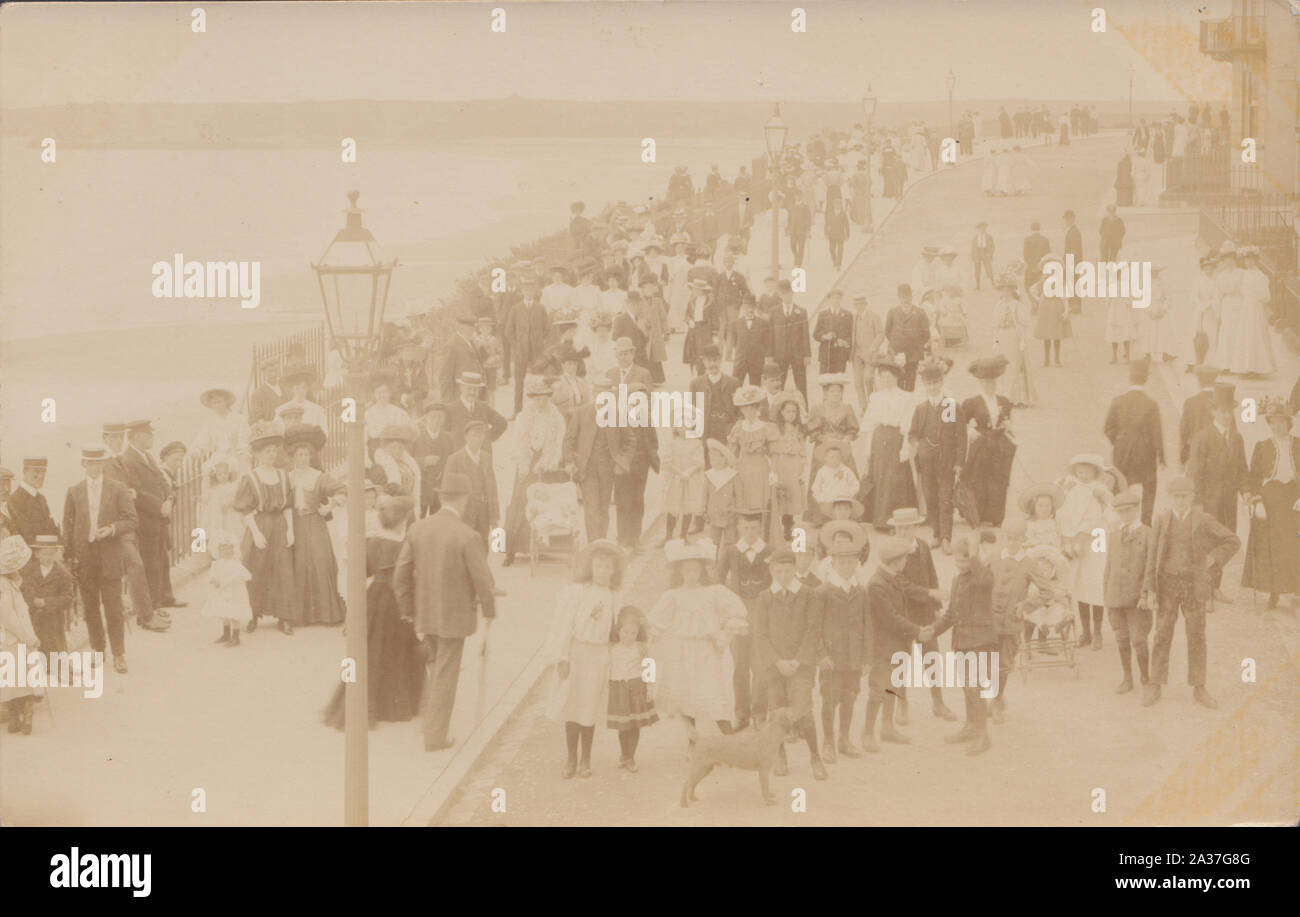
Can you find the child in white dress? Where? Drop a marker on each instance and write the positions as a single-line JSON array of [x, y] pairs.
[[229, 598]]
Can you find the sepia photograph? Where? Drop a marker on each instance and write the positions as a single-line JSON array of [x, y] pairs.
[[861, 413]]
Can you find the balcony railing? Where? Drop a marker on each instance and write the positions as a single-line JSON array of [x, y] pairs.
[[1234, 35]]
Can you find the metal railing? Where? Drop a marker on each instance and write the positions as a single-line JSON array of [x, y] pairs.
[[1232, 35]]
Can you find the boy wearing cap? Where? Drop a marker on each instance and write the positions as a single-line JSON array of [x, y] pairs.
[[1128, 547], [1012, 571], [743, 568], [786, 629], [1189, 551], [432, 447], [50, 593], [846, 636], [970, 615], [28, 510]]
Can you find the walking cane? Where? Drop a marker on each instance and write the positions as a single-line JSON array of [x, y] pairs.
[[482, 672]]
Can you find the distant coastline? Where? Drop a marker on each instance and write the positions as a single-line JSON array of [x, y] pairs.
[[257, 125]]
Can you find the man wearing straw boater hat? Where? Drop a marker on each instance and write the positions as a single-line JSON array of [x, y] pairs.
[[441, 581], [469, 406], [432, 447], [50, 592], [27, 506], [97, 514], [1134, 430]]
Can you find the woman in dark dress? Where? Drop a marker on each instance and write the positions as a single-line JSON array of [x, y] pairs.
[[315, 569], [394, 659], [264, 499], [987, 471], [1272, 562]]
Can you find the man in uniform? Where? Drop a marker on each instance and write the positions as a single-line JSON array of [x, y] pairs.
[[1134, 430], [28, 510], [1189, 551]]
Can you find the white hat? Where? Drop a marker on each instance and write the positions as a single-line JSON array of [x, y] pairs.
[[14, 554]]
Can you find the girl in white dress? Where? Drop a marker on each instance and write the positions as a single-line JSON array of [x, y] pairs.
[[579, 647], [217, 513], [1086, 498], [691, 629], [228, 601]]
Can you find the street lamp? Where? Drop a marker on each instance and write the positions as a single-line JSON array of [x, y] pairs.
[[868, 109], [354, 281], [1131, 71], [950, 81], [774, 132]]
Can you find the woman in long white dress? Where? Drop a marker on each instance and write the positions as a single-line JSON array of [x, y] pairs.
[[1004, 185], [679, 290], [691, 627], [1022, 172], [920, 151], [223, 429], [989, 180], [1086, 499], [578, 646], [1245, 347], [1013, 324]]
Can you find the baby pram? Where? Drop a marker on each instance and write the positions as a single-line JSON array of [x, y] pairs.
[[554, 521], [950, 319]]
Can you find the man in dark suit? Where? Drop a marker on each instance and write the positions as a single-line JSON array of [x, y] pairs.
[[626, 328], [1217, 460], [432, 447], [1136, 437], [1111, 234], [1073, 246], [473, 464], [907, 329], [639, 452], [462, 357], [751, 336], [1188, 552], [1196, 412], [137, 582], [938, 440], [28, 510], [791, 344], [529, 329], [720, 412], [591, 451], [153, 504], [441, 579], [730, 290], [981, 252], [269, 395], [833, 332], [468, 406], [96, 514], [1036, 245]]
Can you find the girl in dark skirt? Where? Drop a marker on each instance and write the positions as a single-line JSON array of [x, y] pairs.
[[630, 705], [1272, 562], [263, 498], [700, 325], [987, 471], [394, 657]]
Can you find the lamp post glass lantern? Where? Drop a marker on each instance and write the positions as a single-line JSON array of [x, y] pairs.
[[774, 132], [354, 282]]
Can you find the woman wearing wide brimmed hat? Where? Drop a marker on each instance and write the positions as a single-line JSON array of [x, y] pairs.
[[578, 646], [223, 429], [888, 482], [702, 321], [16, 630], [264, 499], [1273, 550], [752, 438], [691, 628], [1013, 322], [1087, 500], [1244, 345], [383, 409], [537, 456], [981, 490], [315, 568]]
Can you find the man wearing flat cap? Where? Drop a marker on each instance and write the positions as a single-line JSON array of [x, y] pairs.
[[28, 509], [442, 582]]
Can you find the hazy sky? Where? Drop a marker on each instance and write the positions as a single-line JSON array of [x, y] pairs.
[[65, 52]]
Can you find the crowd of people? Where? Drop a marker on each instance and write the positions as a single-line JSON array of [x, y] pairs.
[[799, 528]]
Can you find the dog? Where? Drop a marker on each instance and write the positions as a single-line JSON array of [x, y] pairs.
[[752, 750]]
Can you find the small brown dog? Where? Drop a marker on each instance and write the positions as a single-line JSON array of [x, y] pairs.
[[748, 749]]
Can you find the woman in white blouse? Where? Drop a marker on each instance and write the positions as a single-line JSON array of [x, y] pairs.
[[884, 430], [223, 429]]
